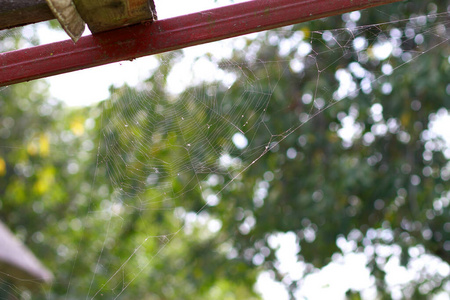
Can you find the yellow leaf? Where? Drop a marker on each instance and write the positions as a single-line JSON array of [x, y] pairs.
[[2, 167], [45, 180], [405, 119], [370, 53], [44, 145], [306, 32], [77, 127], [32, 149]]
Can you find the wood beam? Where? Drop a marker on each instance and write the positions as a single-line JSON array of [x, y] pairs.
[[15, 13]]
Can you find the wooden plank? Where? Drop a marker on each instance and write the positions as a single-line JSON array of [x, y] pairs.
[[165, 35], [15, 13], [102, 15], [18, 265]]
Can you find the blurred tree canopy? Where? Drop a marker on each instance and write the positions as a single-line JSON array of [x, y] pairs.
[[112, 197]]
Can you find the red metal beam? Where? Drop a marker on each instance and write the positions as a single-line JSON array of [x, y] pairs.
[[146, 39]]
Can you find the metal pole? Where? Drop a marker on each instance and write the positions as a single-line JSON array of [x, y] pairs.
[[165, 35]]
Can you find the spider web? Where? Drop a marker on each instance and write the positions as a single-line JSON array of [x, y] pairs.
[[170, 146], [211, 136]]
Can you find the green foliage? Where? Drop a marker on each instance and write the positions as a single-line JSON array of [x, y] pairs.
[[107, 211]]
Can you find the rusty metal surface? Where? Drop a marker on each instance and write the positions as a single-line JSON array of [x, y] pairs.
[[165, 35]]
